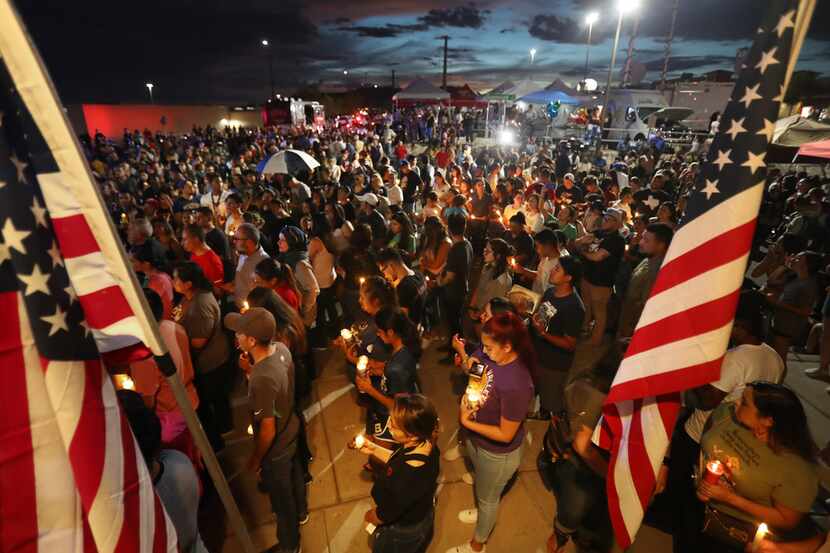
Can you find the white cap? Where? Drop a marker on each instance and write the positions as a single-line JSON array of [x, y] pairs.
[[369, 198]]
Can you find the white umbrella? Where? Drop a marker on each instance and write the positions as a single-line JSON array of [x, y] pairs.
[[289, 162]]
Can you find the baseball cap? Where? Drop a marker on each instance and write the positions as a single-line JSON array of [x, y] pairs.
[[369, 198], [256, 322], [616, 214]]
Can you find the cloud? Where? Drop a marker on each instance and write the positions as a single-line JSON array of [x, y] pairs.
[[468, 16], [556, 28], [389, 30], [685, 63]]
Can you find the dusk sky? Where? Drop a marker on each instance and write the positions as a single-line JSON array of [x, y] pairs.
[[209, 50]]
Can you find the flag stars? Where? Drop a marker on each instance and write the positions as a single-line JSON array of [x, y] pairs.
[[37, 281], [14, 238], [768, 130], [780, 97], [39, 212], [55, 254], [736, 128], [710, 188], [73, 297], [723, 159], [56, 322], [785, 22], [5, 254], [750, 95], [754, 162], [767, 59], [20, 166]]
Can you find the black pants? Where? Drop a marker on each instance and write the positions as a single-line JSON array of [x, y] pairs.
[[453, 307], [214, 406], [680, 493], [413, 538], [282, 477], [327, 317]]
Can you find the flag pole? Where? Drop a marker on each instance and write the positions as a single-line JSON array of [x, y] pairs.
[[802, 25], [26, 66]]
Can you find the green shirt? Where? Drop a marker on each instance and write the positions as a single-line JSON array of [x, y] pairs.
[[755, 471]]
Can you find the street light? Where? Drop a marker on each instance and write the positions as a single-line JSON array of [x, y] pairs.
[[532, 55], [345, 71], [590, 19], [267, 45], [150, 89], [623, 7]]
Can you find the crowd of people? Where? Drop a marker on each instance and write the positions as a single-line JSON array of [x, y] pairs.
[[528, 268]]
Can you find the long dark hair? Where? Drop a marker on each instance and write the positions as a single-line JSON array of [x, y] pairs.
[[508, 328], [416, 415], [189, 271], [407, 231], [789, 429], [434, 234], [378, 290], [271, 269], [501, 251], [290, 327], [392, 318]]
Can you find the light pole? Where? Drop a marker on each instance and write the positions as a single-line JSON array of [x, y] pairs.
[[590, 19], [532, 55], [267, 46], [150, 90], [623, 6]]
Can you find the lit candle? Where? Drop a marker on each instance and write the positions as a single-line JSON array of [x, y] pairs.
[[124, 382], [245, 306], [362, 280], [362, 364], [473, 397], [763, 529], [346, 334], [714, 470], [250, 430], [359, 441], [512, 261]]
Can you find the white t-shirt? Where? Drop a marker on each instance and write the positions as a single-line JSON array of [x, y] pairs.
[[741, 365], [542, 282], [395, 195]]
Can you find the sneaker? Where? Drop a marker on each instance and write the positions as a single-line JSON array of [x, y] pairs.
[[818, 373], [468, 516], [467, 478], [303, 519], [452, 454], [466, 548]]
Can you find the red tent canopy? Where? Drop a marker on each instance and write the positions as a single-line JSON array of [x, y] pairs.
[[464, 96], [815, 149]]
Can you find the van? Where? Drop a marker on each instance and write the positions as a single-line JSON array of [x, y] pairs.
[[632, 113]]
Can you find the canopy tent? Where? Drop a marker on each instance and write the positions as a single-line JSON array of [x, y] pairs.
[[562, 86], [464, 96], [547, 96], [421, 91], [820, 149], [501, 88], [522, 88], [795, 131]]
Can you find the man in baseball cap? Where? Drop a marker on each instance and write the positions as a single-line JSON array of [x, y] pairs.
[[256, 323]]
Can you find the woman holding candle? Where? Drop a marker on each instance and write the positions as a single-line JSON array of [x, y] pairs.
[[279, 277], [758, 466], [494, 428], [398, 374], [403, 494], [495, 281]]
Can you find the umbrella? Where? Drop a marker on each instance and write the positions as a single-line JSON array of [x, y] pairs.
[[288, 162]]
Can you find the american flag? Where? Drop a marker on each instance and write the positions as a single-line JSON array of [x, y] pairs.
[[684, 330], [71, 475]]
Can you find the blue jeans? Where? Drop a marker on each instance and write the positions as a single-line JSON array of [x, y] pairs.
[[493, 471], [577, 489], [414, 538], [283, 478]]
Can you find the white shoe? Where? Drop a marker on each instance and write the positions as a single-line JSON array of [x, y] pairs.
[[468, 516], [453, 454], [467, 478], [465, 548]]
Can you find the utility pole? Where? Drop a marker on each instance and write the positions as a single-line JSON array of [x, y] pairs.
[[668, 45], [393, 79], [627, 70], [444, 78]]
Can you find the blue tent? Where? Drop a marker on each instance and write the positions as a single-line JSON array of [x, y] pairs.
[[547, 96]]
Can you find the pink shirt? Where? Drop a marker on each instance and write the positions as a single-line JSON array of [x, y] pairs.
[[162, 284]]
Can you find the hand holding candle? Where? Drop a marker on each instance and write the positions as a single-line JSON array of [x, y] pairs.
[[359, 441], [763, 529], [362, 365], [245, 306], [346, 334]]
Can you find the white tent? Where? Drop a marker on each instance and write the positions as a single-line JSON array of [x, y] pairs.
[[421, 91], [562, 86], [523, 88]]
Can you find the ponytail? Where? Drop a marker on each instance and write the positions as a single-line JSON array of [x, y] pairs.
[[394, 319]]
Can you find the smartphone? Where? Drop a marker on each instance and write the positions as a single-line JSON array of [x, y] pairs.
[[477, 370]]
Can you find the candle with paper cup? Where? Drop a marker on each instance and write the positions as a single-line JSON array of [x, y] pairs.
[[714, 470], [763, 529], [362, 365], [359, 441]]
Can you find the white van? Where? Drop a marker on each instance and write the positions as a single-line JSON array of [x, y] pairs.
[[632, 112], [704, 97]]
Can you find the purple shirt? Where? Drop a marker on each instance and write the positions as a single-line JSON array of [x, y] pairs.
[[508, 391]]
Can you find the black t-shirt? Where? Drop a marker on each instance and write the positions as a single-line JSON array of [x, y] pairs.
[[411, 292], [524, 246], [218, 242], [570, 312], [574, 193], [377, 222], [413, 181], [404, 493], [604, 273], [481, 206], [459, 262]]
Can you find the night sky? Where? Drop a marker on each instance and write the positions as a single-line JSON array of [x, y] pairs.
[[210, 51]]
